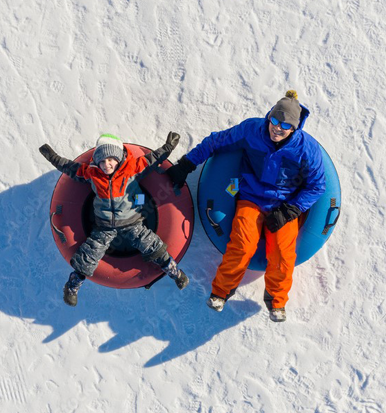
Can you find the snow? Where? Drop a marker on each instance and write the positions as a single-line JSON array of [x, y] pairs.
[[72, 69]]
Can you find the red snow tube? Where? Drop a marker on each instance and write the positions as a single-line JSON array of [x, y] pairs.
[[169, 215]]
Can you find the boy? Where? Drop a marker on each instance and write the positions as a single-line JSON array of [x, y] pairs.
[[114, 174]]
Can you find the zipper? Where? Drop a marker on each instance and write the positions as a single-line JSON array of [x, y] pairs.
[[123, 182], [111, 194], [112, 204]]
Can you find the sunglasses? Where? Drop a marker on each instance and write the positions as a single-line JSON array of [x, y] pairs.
[[283, 125]]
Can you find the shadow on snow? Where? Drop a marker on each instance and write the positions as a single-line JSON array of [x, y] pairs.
[[32, 275]]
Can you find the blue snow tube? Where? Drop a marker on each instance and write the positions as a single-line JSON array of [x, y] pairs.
[[217, 208]]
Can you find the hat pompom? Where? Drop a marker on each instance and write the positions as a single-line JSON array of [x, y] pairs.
[[287, 109], [292, 94]]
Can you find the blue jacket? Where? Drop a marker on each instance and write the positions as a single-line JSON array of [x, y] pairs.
[[293, 173]]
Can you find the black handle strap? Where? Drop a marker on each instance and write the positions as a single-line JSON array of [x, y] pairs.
[[216, 227], [60, 234], [147, 286], [332, 207]]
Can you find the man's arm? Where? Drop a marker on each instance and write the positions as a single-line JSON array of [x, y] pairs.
[[224, 141]]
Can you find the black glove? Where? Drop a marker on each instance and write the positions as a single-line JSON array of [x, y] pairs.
[[159, 155], [278, 217], [179, 172], [172, 141], [64, 165], [47, 152]]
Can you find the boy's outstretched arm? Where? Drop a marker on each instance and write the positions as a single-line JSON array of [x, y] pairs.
[[64, 165], [160, 154]]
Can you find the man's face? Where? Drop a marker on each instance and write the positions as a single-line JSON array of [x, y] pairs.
[[277, 134], [108, 165]]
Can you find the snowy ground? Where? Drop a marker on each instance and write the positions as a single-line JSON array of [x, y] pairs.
[[72, 69]]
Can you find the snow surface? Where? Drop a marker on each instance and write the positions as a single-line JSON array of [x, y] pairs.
[[72, 69]]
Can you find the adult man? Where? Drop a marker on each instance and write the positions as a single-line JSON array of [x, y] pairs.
[[282, 176]]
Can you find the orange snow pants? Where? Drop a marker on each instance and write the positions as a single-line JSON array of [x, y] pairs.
[[247, 227]]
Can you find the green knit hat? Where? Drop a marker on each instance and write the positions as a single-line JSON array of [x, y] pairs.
[[108, 146], [287, 109]]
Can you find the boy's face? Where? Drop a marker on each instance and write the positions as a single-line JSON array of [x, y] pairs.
[[108, 165]]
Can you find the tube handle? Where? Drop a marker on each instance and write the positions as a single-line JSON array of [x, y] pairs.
[[332, 207], [60, 234], [214, 225]]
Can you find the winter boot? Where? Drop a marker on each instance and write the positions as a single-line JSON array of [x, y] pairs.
[[71, 288], [180, 278], [277, 315], [215, 303]]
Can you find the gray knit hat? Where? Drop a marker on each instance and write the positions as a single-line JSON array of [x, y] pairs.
[[108, 146], [287, 109]]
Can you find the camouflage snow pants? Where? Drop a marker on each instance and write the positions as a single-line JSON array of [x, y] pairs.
[[138, 236]]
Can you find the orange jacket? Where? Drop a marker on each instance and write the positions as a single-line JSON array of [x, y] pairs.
[[115, 203]]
